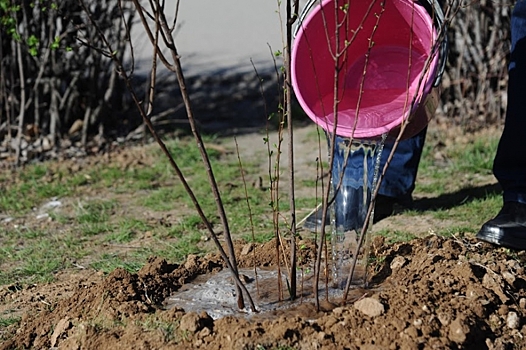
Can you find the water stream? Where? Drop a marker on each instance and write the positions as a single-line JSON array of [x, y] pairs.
[[353, 184]]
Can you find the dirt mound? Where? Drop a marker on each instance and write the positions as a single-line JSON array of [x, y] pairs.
[[431, 293]]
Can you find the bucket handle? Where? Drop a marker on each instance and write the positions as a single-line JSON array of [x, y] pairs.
[[433, 7], [304, 12]]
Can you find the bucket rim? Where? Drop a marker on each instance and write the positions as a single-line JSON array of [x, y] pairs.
[[425, 85]]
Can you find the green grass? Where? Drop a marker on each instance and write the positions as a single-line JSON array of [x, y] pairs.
[[97, 211], [135, 257], [178, 249], [394, 236], [472, 214], [261, 237], [476, 158], [126, 230], [35, 185], [21, 198], [8, 321], [31, 256], [461, 162], [131, 262], [94, 235], [168, 329], [162, 199], [106, 221], [96, 228]]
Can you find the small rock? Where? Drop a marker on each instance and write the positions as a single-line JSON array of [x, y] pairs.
[[494, 284], [509, 277], [444, 318], [513, 264], [398, 262], [61, 327], [503, 310], [489, 343], [425, 309], [190, 322], [513, 321], [522, 303], [338, 311], [76, 126], [471, 293], [205, 332], [46, 144], [495, 320], [457, 333], [247, 248], [370, 307], [417, 323], [52, 204]]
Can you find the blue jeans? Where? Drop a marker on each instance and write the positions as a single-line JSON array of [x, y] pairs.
[[509, 166]]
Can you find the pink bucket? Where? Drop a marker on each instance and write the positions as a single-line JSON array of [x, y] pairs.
[[395, 74]]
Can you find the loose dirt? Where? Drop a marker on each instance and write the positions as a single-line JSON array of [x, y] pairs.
[[429, 293]]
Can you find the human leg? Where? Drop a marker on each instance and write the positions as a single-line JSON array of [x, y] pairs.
[[400, 176], [508, 228]]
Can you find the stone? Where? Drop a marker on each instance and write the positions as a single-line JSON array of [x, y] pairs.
[[509, 277], [398, 262], [190, 322], [338, 311], [370, 307], [457, 332], [513, 321], [61, 327], [247, 248]]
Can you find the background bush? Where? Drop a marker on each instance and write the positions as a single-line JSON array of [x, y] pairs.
[[55, 75], [475, 82]]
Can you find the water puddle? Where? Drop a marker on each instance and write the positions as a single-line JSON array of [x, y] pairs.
[[216, 294]]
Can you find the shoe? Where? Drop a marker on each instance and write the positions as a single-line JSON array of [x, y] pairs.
[[384, 207], [508, 228]]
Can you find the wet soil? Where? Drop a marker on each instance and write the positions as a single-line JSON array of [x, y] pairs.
[[429, 293]]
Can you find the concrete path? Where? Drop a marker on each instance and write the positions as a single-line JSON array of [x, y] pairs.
[[213, 35]]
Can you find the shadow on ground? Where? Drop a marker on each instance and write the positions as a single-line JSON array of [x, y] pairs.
[[455, 199]]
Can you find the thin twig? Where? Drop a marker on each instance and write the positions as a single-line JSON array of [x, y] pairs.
[[291, 17], [250, 215]]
